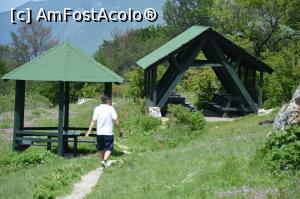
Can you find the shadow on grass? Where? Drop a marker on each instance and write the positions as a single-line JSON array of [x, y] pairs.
[[87, 149]]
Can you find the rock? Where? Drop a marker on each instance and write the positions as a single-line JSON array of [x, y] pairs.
[[289, 113], [264, 112], [83, 100], [154, 111]]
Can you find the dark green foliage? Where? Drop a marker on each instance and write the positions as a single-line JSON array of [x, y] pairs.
[[142, 124], [50, 90], [264, 22], [6, 103], [182, 14], [194, 120], [135, 83], [32, 101], [5, 87], [280, 86], [126, 48], [90, 90], [31, 157], [147, 123], [203, 82], [281, 150]]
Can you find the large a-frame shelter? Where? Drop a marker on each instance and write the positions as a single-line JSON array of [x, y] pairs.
[[64, 64], [236, 69]]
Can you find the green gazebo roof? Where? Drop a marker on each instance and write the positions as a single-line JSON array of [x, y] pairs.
[[185, 38], [64, 63], [171, 46]]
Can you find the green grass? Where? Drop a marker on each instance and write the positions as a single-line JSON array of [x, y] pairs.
[[218, 164], [167, 161], [55, 177]]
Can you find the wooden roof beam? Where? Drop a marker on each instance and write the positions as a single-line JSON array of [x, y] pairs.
[[205, 63]]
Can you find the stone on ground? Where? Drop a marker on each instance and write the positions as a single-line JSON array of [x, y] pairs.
[[289, 113]]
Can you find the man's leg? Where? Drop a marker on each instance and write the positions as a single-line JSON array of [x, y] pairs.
[[106, 155], [101, 155], [109, 142]]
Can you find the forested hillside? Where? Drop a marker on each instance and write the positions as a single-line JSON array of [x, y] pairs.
[[267, 29]]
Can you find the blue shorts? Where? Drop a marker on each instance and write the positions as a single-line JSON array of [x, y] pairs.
[[105, 142]]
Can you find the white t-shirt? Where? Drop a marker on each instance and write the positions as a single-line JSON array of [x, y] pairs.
[[104, 115]]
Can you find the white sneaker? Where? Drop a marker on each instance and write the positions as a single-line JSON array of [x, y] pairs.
[[103, 164]]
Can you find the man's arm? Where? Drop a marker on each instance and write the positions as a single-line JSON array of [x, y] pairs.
[[90, 128], [117, 124]]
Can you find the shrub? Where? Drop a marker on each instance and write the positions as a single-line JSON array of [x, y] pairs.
[[280, 85], [203, 82], [30, 157], [50, 186], [148, 123], [135, 80], [91, 90], [197, 121], [281, 150], [141, 124], [35, 100], [194, 120], [6, 103]]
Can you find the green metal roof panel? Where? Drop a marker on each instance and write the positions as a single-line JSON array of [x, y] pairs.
[[171, 46], [63, 62], [192, 33]]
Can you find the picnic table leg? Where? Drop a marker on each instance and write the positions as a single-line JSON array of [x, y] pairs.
[[65, 143], [75, 146], [227, 106], [49, 143]]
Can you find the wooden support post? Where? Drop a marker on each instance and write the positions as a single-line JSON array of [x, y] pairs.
[[66, 103], [238, 62], [240, 71], [233, 76], [184, 61], [60, 147], [246, 78], [254, 84], [146, 83], [19, 112], [153, 85], [49, 143], [108, 89], [260, 94]]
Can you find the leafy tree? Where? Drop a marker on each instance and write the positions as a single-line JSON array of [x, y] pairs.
[[30, 41], [266, 23], [126, 48], [280, 86], [4, 52], [135, 81], [182, 14]]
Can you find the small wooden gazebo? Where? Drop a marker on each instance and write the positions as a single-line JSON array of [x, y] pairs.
[[236, 69], [64, 64]]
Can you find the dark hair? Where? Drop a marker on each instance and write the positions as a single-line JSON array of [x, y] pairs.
[[105, 99]]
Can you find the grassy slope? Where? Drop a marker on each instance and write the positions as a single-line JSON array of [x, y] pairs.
[[217, 164], [211, 165], [21, 183]]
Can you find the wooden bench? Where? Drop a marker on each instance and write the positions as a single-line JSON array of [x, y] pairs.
[[30, 138], [225, 103]]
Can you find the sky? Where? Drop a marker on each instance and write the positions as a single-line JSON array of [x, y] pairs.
[[6, 5]]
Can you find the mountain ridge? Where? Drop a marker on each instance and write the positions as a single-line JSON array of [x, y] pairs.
[[87, 36]]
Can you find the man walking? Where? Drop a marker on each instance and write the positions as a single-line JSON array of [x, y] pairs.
[[105, 116]]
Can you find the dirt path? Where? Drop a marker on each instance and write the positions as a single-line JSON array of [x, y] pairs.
[[88, 181], [218, 119]]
